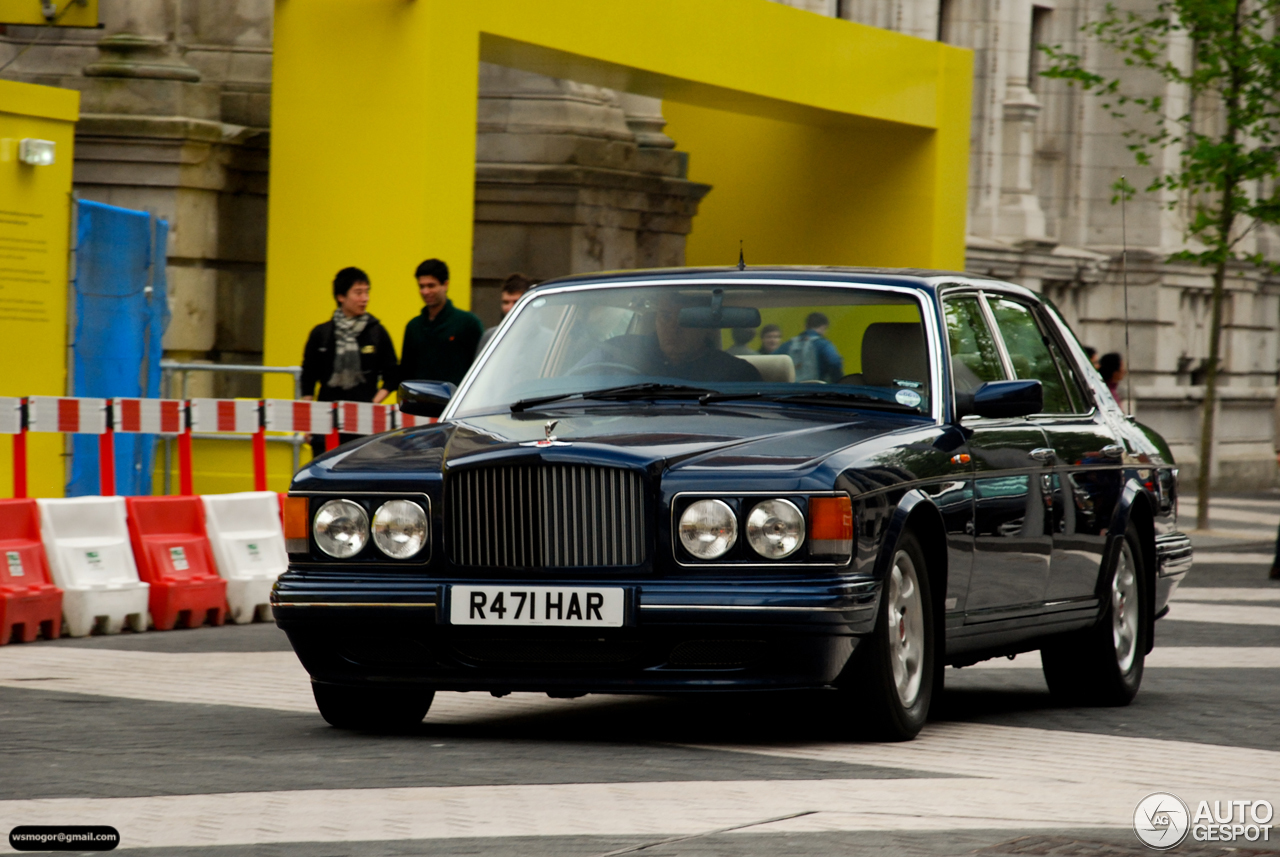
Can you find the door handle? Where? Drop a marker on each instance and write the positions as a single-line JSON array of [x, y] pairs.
[[1043, 454], [1113, 450]]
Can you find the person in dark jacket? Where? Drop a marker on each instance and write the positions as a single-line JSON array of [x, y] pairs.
[[349, 354], [440, 343]]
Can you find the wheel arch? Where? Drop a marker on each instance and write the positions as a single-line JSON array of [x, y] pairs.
[[917, 513]]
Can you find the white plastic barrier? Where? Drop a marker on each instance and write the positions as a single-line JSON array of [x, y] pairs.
[[248, 544], [87, 542]]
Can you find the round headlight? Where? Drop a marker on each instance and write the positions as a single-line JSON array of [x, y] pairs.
[[399, 528], [341, 528], [775, 529], [708, 529]]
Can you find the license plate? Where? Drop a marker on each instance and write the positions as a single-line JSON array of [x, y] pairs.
[[576, 606]]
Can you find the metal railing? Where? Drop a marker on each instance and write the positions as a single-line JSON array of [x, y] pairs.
[[168, 368]]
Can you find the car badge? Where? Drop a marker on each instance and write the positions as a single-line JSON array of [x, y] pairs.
[[550, 439]]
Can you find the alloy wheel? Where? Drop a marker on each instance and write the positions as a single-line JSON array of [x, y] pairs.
[[906, 629], [1124, 610]]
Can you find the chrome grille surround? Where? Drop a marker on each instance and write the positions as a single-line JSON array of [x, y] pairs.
[[545, 516]]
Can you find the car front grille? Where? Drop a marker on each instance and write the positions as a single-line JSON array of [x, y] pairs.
[[545, 516]]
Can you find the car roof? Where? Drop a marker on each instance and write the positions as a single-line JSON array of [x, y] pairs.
[[921, 278]]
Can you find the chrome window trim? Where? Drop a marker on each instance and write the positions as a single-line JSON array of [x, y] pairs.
[[928, 313], [1070, 343], [720, 495], [386, 562]]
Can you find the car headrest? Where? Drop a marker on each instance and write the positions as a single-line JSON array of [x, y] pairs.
[[773, 368], [894, 351]]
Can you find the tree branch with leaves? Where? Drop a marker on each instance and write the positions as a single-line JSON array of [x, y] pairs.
[[1227, 167]]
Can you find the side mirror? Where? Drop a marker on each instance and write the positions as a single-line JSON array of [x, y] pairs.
[[425, 398], [1004, 399]]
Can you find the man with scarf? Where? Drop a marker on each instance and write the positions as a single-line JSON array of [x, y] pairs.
[[348, 354]]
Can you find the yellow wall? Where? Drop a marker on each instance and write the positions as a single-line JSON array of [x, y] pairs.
[[35, 210], [225, 466], [67, 13], [828, 142]]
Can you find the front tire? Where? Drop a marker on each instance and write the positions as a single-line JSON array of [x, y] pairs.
[[892, 679], [371, 709], [1103, 666]]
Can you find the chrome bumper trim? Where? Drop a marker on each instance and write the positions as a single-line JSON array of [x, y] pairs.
[[353, 604], [748, 607], [1174, 553]]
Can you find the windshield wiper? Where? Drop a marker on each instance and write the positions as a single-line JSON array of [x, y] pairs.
[[627, 391], [819, 395]]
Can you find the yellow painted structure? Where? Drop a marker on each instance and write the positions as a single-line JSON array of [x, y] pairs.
[[224, 466], [66, 13], [827, 142], [35, 214]]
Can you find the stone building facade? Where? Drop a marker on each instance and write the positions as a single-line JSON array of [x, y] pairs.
[[1043, 158], [571, 178]]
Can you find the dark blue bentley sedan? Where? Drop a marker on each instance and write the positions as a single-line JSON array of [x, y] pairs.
[[759, 479]]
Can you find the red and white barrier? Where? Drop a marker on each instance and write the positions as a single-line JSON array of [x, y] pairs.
[[239, 416], [148, 416], [177, 417], [364, 418], [66, 415], [10, 415], [300, 416], [404, 420]]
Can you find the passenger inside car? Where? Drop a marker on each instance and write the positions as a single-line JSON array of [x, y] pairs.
[[673, 351]]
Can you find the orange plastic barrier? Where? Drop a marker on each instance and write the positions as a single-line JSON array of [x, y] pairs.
[[173, 554], [29, 602]]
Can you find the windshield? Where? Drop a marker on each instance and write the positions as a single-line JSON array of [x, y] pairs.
[[828, 344]]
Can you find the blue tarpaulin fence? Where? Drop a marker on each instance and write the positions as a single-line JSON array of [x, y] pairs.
[[121, 313]]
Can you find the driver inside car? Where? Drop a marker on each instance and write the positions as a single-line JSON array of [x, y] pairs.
[[687, 353]]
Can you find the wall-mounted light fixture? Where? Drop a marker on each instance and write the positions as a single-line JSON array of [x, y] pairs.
[[38, 153]]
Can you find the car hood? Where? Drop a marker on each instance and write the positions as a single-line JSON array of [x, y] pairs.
[[670, 436]]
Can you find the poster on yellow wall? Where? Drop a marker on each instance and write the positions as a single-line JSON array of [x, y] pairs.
[[37, 132]]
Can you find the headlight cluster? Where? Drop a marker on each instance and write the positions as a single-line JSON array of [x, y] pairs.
[[709, 528], [341, 528]]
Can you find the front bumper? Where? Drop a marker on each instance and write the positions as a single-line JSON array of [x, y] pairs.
[[360, 628], [1174, 557]]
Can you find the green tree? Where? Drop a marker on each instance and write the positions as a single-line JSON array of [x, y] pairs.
[[1227, 164]]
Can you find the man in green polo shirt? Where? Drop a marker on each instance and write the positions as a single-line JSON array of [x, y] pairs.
[[440, 343]]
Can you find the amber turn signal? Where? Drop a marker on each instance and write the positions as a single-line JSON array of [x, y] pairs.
[[296, 525], [831, 526]]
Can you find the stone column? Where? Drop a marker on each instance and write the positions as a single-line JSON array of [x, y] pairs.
[[572, 178]]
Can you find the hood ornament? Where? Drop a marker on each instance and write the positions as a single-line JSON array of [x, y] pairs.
[[549, 439]]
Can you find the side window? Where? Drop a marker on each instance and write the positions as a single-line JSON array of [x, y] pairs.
[[974, 356], [1030, 354]]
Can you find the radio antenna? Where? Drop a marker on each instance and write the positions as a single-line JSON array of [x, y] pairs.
[[1124, 280], [742, 263]]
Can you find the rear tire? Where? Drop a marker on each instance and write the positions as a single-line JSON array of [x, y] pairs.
[[371, 709], [1103, 665], [891, 678]]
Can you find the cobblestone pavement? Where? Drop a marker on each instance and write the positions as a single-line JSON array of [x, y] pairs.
[[207, 743]]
